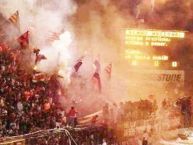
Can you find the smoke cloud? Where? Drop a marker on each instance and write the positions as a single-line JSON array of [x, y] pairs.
[[95, 29]]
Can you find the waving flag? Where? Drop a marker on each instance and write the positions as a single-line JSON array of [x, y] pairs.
[[78, 64], [14, 19], [24, 40], [39, 57], [36, 51], [108, 70], [97, 81], [96, 76]]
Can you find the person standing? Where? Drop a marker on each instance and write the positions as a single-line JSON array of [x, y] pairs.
[[72, 117], [94, 120]]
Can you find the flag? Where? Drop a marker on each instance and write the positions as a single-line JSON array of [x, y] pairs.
[[108, 70], [36, 51], [24, 39], [97, 81], [96, 76], [53, 36], [14, 19], [39, 57], [78, 64], [97, 66]]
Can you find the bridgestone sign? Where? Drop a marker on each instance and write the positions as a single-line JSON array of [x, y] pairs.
[[141, 83], [156, 76]]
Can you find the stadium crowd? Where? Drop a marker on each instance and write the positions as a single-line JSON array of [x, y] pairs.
[[26, 97], [28, 103]]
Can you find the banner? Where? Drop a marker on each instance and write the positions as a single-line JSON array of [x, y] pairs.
[[161, 83], [158, 76]]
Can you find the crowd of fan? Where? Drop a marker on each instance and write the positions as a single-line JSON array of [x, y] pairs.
[[185, 105], [26, 102], [140, 110], [129, 111]]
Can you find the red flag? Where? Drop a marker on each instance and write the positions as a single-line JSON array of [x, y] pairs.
[[97, 81], [108, 70], [78, 64], [24, 40], [39, 57]]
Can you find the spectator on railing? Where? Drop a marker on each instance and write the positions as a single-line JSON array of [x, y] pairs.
[[72, 117], [94, 120]]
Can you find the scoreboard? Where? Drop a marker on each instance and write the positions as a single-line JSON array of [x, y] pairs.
[[151, 38]]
